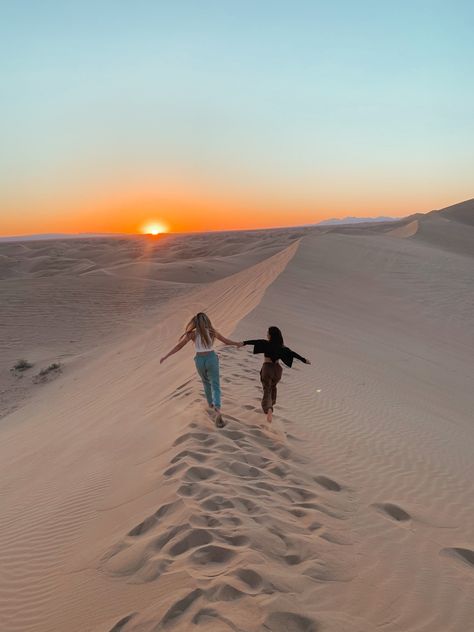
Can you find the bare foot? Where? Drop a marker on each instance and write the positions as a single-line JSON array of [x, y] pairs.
[[270, 415], [220, 423]]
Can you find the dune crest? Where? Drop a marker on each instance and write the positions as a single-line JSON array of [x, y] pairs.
[[408, 230]]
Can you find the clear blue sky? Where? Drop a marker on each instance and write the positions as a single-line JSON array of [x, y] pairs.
[[298, 110]]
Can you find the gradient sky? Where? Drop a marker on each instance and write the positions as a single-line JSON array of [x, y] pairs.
[[217, 114]]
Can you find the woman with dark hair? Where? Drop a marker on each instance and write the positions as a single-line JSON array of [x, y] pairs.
[[274, 350]]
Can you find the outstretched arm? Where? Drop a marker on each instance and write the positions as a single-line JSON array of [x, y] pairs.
[[176, 348], [300, 358], [227, 341]]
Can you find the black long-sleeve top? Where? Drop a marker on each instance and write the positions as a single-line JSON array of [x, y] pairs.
[[274, 351]]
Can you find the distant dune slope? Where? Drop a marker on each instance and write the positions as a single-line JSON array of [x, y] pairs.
[[451, 228], [215, 254], [407, 230], [447, 234], [462, 212]]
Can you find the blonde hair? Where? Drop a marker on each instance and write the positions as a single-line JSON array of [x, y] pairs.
[[201, 324]]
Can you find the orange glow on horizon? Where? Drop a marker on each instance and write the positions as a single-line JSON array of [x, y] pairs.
[[153, 228], [176, 206]]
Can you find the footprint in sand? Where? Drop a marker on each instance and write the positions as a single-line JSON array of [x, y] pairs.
[[247, 506], [459, 554], [193, 539], [205, 520], [188, 490], [229, 448], [217, 503], [207, 616], [162, 540], [279, 471], [234, 540], [174, 469], [315, 526], [153, 570], [123, 622], [212, 554], [195, 473], [324, 510], [180, 607], [297, 513], [152, 520], [235, 435], [394, 512], [224, 592], [300, 494], [328, 483], [286, 621], [200, 436], [192, 454], [252, 580], [234, 521], [243, 470]]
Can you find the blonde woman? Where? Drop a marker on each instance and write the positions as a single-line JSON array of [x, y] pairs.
[[201, 331]]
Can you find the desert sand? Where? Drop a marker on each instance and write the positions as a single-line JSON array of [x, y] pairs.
[[123, 508]]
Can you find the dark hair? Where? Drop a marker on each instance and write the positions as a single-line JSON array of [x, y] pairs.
[[275, 336]]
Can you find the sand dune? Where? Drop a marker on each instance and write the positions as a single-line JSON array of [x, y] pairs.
[[447, 234], [462, 212], [220, 253], [449, 229], [125, 509], [406, 230]]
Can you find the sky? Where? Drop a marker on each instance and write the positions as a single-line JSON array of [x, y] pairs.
[[213, 115]]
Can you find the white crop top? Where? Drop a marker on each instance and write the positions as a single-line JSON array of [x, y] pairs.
[[199, 343]]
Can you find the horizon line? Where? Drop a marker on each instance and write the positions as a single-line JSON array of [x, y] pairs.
[[85, 234]]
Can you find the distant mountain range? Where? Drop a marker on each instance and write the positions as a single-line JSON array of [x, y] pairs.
[[357, 220]]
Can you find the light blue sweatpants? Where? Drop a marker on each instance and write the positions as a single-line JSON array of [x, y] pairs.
[[207, 366]]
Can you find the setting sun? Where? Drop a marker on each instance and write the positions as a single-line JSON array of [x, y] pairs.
[[154, 228]]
